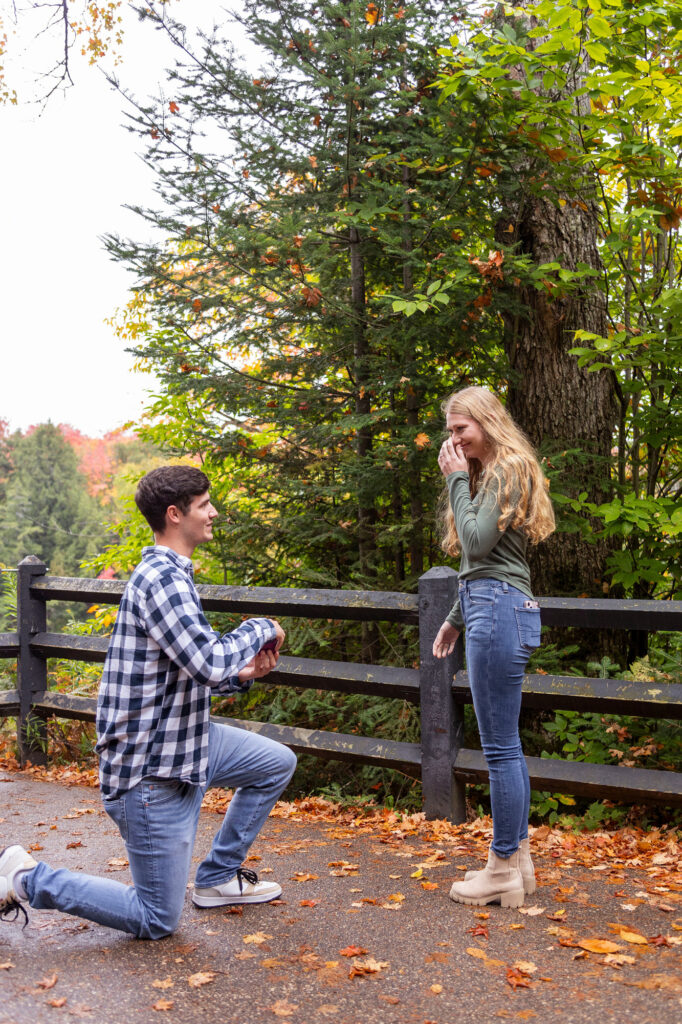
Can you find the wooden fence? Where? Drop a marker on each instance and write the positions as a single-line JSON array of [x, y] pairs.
[[439, 688]]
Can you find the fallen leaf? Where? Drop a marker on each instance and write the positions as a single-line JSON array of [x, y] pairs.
[[436, 989], [352, 951], [246, 955], [475, 951], [617, 960], [308, 903], [369, 966], [391, 1000], [163, 1004], [632, 937], [48, 982], [166, 983], [271, 961], [516, 979], [525, 966], [599, 946], [532, 911], [56, 1002], [417, 874], [302, 876], [430, 885], [117, 863], [201, 978], [395, 897], [257, 937], [659, 981], [282, 1008], [7, 966], [73, 846], [483, 916]]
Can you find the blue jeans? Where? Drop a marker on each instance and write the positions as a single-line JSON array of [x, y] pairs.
[[158, 822], [500, 637]]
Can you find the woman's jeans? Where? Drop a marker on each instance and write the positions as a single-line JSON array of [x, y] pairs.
[[501, 634], [158, 821]]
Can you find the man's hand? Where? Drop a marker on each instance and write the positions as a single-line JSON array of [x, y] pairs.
[[451, 459], [445, 641], [259, 666]]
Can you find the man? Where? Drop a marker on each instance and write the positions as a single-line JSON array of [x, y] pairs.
[[158, 750]]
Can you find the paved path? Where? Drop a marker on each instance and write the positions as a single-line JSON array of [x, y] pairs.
[[283, 962]]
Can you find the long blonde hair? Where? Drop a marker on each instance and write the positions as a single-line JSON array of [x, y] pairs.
[[522, 490]]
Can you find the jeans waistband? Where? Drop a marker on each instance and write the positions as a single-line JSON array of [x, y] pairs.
[[465, 585]]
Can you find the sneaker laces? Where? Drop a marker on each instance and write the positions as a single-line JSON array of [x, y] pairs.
[[14, 905], [243, 873]]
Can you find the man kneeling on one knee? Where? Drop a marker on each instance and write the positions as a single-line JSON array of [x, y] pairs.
[[158, 750]]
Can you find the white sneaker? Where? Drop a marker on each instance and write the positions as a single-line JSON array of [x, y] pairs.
[[243, 888], [13, 859]]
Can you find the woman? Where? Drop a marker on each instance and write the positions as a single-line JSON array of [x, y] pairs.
[[496, 504]]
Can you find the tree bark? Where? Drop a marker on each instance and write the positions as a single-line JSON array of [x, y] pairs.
[[559, 405]]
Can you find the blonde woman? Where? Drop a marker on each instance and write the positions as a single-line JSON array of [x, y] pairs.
[[495, 505]]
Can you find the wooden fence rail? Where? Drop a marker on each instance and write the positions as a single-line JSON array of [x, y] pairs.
[[439, 688]]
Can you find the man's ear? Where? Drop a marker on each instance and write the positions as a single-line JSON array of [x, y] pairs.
[[173, 515]]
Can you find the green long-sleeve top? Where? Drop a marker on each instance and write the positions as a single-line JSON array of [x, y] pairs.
[[487, 553]]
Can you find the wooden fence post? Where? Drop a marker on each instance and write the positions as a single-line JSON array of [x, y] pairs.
[[31, 669], [441, 718]]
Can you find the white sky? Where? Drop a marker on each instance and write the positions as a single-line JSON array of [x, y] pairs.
[[66, 173]]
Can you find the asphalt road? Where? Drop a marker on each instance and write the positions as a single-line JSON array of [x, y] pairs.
[[283, 962]]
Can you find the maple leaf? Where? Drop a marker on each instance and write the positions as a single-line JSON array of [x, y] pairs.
[[257, 937], [173, 107], [201, 978], [369, 966], [372, 14], [48, 982], [308, 903], [421, 441], [56, 1002], [165, 983], [163, 1004], [516, 979], [352, 951]]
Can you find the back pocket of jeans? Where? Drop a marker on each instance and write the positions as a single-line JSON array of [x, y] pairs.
[[528, 622]]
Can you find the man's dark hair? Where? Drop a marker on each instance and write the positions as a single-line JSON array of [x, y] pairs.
[[168, 485]]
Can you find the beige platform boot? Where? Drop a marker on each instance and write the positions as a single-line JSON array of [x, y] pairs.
[[525, 867], [500, 881]]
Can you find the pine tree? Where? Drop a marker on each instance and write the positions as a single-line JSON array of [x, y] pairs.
[[299, 206]]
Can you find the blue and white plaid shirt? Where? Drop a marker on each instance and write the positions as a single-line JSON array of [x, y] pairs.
[[164, 662]]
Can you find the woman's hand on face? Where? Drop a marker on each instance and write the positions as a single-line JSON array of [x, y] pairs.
[[451, 459], [445, 641]]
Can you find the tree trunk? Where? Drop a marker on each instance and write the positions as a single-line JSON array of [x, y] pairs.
[[367, 517], [559, 405]]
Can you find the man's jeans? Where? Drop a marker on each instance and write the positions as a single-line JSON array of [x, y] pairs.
[[501, 634], [158, 822]]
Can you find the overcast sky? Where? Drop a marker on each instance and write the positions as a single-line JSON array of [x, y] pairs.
[[66, 173]]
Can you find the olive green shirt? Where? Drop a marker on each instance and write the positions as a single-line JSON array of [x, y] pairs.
[[487, 553]]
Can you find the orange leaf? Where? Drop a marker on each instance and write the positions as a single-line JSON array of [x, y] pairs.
[[372, 14], [421, 441], [430, 885], [201, 978], [308, 903], [599, 946], [516, 979], [352, 951], [48, 982], [56, 1002], [173, 107], [196, 305], [163, 1004]]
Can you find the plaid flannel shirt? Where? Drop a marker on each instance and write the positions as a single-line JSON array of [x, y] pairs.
[[164, 662]]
